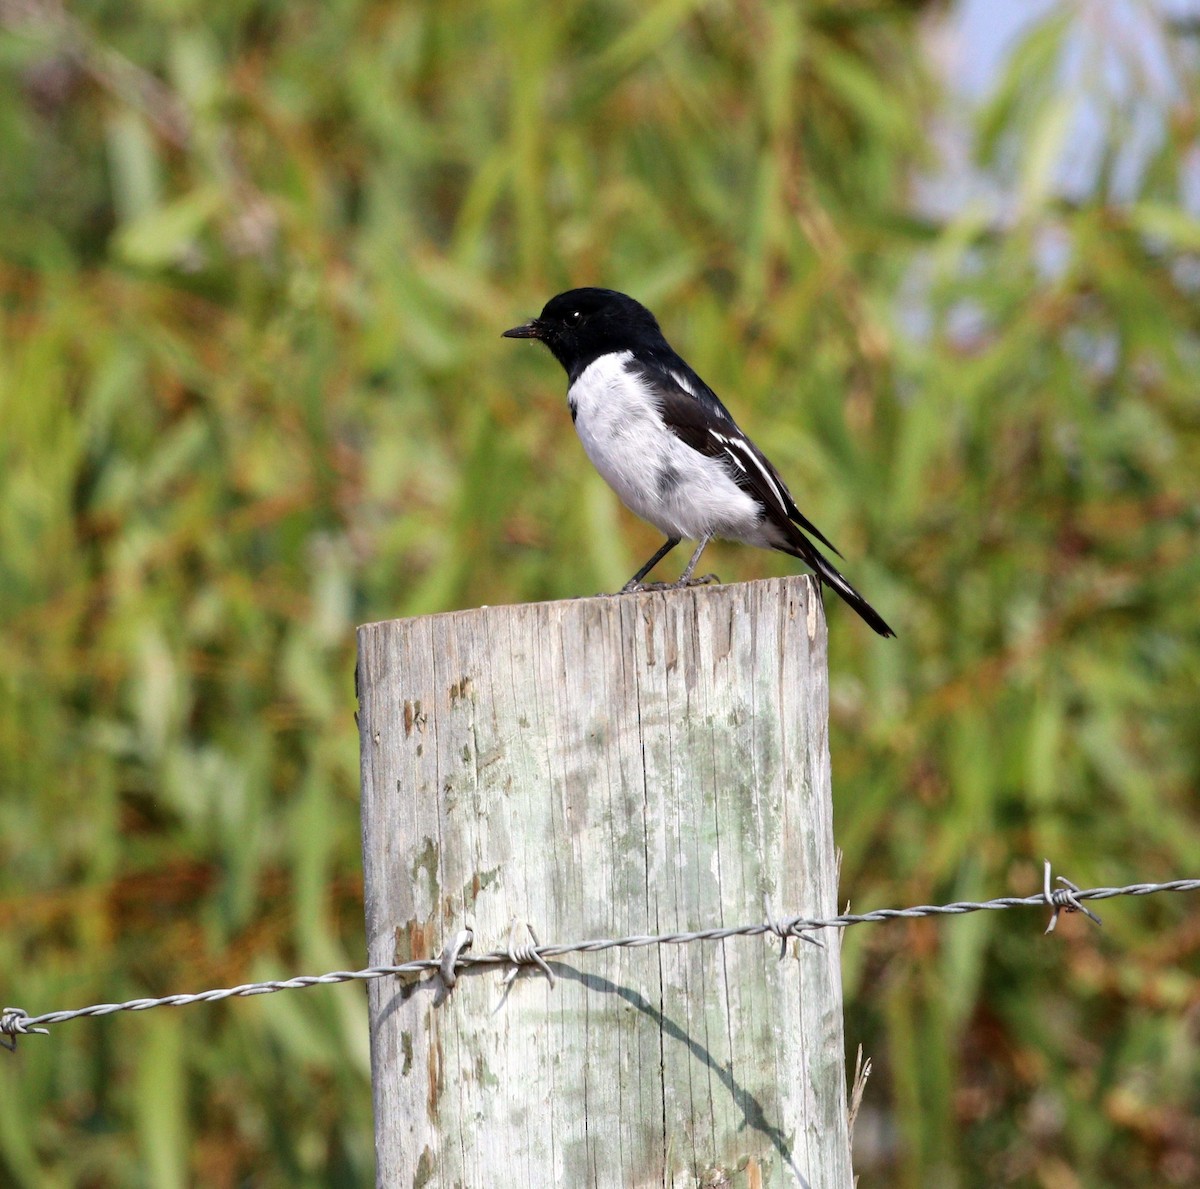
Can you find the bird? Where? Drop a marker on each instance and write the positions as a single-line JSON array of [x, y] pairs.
[[668, 447]]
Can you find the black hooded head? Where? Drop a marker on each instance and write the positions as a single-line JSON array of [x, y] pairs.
[[582, 324]]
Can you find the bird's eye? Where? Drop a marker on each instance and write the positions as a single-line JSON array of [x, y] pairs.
[[576, 315]]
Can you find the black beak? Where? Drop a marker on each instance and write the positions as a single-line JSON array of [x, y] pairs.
[[528, 330]]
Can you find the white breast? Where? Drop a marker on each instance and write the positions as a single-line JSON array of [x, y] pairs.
[[681, 492]]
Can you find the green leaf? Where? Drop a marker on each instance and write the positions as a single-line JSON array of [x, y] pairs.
[[1170, 225], [166, 235]]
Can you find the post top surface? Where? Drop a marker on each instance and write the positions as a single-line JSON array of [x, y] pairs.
[[799, 586]]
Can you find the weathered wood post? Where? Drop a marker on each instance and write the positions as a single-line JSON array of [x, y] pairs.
[[602, 767]]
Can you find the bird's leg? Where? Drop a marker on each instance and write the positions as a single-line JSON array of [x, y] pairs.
[[635, 583], [686, 579]]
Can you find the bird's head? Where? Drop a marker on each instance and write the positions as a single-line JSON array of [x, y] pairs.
[[583, 324]]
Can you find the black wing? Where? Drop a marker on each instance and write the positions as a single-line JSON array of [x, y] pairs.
[[695, 414]]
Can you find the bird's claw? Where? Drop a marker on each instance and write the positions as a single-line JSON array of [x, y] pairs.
[[682, 584]]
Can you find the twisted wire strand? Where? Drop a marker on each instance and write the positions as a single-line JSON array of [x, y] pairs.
[[14, 1021]]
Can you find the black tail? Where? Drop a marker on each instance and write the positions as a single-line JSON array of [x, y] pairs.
[[808, 553]]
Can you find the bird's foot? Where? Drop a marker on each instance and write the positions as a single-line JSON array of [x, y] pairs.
[[682, 584]]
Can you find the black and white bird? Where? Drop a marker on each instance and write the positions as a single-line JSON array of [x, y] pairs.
[[666, 444]]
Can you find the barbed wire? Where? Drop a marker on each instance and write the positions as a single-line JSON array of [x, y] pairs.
[[1065, 897]]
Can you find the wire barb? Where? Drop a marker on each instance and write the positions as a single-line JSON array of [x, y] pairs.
[[785, 929], [450, 954], [1063, 899], [13, 1023], [524, 955]]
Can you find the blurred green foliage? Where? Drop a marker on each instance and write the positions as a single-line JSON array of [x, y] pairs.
[[254, 260]]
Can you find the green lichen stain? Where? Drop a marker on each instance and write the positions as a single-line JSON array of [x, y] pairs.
[[483, 1075], [424, 1173], [477, 883], [406, 1047], [427, 861]]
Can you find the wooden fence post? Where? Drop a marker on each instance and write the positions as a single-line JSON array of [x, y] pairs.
[[600, 767]]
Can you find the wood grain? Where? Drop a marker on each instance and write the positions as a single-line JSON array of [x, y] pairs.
[[599, 767]]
